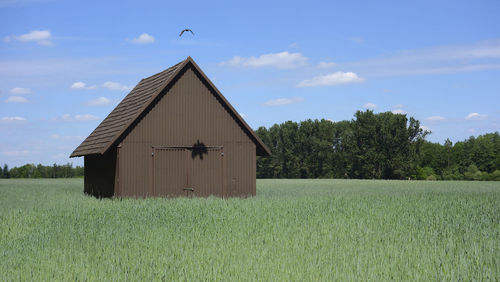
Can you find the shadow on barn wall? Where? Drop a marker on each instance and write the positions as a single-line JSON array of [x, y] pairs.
[[199, 149]]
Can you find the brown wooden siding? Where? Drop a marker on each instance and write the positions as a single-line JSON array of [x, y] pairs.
[[187, 115], [135, 170]]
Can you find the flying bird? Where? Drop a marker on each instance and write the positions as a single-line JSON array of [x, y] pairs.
[[187, 29]]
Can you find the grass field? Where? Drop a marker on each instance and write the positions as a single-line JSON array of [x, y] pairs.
[[292, 230]]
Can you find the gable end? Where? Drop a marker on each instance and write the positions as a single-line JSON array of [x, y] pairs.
[[139, 102]]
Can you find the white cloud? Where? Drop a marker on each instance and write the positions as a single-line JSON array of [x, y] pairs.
[[478, 50], [35, 35], [331, 79], [66, 117], [399, 106], [325, 65], [20, 91], [292, 45], [66, 137], [85, 117], [144, 39], [438, 70], [12, 119], [283, 60], [243, 115], [101, 101], [435, 60], [476, 116], [41, 37], [116, 86], [435, 118], [398, 111], [79, 85], [16, 99], [45, 43], [370, 106], [283, 101], [81, 117], [60, 156], [16, 153]]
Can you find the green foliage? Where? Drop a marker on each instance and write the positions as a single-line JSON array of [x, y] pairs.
[[473, 173], [452, 174], [299, 150], [315, 230], [432, 177], [372, 146], [472, 159], [425, 173], [41, 171], [495, 176]]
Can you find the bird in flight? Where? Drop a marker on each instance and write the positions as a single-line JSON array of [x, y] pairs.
[[187, 29]]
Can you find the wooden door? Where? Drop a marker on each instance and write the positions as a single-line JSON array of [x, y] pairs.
[[187, 171], [170, 172], [205, 173]]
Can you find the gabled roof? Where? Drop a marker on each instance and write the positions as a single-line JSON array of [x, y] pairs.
[[138, 100]]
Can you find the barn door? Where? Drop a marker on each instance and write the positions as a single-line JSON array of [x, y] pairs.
[[205, 172], [170, 172], [188, 171]]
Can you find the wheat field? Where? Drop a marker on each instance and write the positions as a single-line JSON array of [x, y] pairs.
[[292, 230]]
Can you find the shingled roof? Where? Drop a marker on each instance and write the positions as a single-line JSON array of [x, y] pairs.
[[136, 102]]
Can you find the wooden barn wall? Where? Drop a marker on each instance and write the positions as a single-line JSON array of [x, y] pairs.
[[187, 114], [99, 174]]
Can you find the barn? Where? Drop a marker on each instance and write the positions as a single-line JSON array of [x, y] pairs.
[[173, 135]]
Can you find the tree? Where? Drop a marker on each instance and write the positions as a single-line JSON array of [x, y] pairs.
[[495, 176], [382, 145], [373, 145], [6, 172], [448, 146], [473, 173], [342, 154], [264, 169]]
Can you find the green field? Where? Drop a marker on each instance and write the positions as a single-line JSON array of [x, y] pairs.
[[292, 230]]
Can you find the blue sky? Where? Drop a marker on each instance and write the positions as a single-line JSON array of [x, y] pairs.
[[64, 65]]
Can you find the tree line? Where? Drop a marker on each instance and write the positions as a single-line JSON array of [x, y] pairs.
[[370, 146], [41, 171], [374, 146]]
